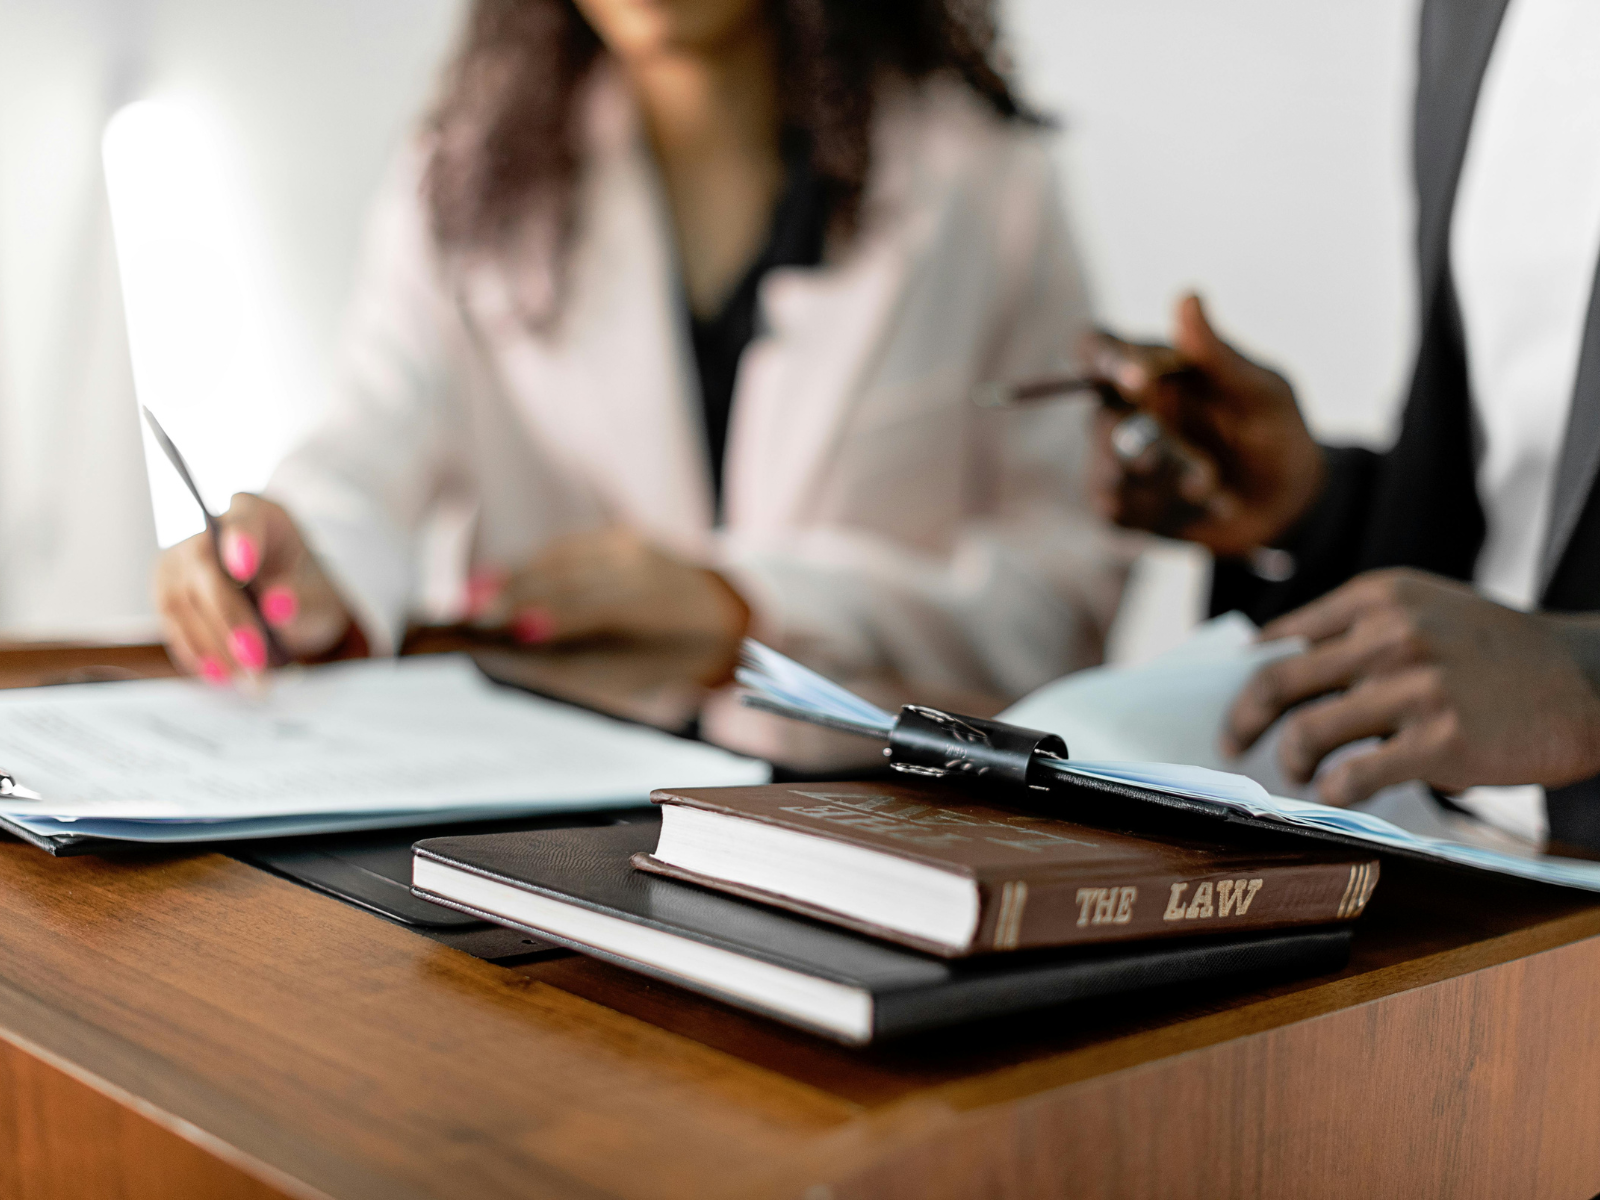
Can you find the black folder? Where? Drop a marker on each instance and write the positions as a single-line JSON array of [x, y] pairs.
[[575, 887]]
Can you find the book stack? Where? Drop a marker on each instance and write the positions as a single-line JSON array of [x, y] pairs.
[[865, 910]]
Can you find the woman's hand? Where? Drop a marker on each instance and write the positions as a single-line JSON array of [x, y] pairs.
[[206, 619], [609, 582]]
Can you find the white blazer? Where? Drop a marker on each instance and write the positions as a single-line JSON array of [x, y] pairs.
[[874, 518]]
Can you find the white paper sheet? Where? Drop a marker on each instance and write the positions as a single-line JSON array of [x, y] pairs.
[[1168, 710], [356, 744]]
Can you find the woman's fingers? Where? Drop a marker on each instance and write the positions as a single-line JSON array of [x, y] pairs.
[[563, 603], [211, 625], [612, 581], [180, 647], [578, 586], [230, 622], [303, 608], [295, 596], [202, 639], [247, 542]]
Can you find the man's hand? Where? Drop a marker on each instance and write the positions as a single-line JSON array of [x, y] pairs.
[[610, 582], [1242, 467], [208, 626], [1461, 690]]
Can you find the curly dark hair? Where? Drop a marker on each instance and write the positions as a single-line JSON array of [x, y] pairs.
[[504, 131]]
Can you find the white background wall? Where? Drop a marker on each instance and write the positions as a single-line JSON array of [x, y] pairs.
[[1251, 148], [1255, 150], [312, 97]]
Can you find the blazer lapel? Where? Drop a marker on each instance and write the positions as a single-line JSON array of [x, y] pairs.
[[1580, 452], [1455, 43], [628, 331], [801, 376], [611, 387], [823, 330]]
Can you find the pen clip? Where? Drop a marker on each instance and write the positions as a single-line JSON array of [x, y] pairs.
[[929, 741]]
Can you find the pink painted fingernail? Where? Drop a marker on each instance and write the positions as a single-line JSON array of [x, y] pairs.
[[533, 625], [483, 585], [213, 670], [240, 556], [279, 605], [248, 649]]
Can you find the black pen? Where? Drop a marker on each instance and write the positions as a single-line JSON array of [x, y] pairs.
[[1133, 436], [277, 656]]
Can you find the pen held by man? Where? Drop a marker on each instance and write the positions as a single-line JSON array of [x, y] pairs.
[[1235, 466]]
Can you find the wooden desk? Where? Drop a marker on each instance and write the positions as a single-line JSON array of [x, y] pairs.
[[189, 1026]]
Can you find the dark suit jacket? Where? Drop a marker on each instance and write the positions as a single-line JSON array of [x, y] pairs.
[[1417, 505]]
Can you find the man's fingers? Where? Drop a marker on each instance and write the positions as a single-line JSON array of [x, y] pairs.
[[1279, 686], [1199, 480], [1397, 759], [1333, 614], [1109, 357], [1394, 595], [1375, 708], [1194, 338], [1128, 365], [1165, 489], [1142, 374], [1107, 475]]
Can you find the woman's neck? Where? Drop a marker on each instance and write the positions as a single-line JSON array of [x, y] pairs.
[[713, 121]]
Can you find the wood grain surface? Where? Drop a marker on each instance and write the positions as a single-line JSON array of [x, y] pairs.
[[184, 1024], [63, 1139]]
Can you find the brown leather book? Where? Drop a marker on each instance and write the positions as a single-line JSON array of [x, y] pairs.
[[929, 867]]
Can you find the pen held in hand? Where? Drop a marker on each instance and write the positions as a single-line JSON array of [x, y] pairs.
[[277, 656], [1010, 393], [1135, 436], [1014, 392]]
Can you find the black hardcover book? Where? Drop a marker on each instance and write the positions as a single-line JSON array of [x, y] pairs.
[[575, 887]]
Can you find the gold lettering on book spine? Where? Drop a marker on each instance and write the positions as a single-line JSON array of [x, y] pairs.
[[1008, 924], [1125, 898], [1086, 900], [1367, 885], [1229, 893], [1175, 903], [1200, 906], [1106, 906], [1249, 895], [1349, 890], [1357, 891], [1226, 897]]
